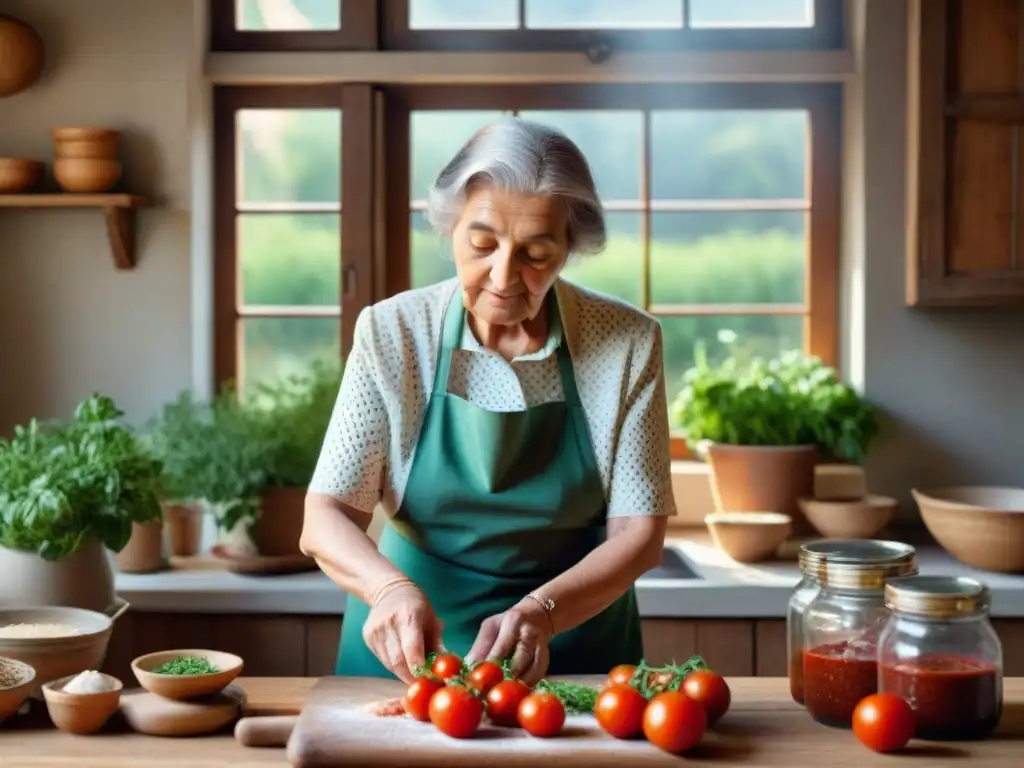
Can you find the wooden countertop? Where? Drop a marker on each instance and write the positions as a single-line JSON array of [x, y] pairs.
[[37, 744]]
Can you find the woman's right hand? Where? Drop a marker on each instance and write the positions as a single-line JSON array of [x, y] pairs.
[[401, 629]]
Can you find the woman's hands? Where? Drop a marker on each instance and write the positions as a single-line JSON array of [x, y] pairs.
[[401, 629], [522, 632]]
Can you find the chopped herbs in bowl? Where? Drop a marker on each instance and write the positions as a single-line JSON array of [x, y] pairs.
[[187, 665], [186, 674]]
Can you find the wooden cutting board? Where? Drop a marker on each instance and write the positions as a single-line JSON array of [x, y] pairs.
[[763, 728]]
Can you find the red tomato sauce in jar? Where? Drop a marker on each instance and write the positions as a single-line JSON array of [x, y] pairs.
[[954, 697], [835, 678]]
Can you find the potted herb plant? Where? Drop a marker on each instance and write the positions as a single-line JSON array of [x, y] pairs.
[[69, 491], [765, 425]]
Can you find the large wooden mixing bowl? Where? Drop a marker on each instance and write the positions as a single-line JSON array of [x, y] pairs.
[[982, 526]]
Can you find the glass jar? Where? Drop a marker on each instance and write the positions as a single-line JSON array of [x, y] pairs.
[[940, 653], [842, 625], [810, 559]]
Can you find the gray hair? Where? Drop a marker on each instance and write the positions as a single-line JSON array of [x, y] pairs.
[[529, 158]]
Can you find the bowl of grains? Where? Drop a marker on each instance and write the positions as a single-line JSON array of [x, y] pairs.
[[56, 641], [187, 674], [16, 681]]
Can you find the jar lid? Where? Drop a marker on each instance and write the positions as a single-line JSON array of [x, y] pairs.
[[853, 551], [863, 576], [939, 597]]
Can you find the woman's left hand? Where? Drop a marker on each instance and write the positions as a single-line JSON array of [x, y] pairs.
[[523, 633]]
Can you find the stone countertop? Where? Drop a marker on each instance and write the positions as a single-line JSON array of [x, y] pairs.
[[722, 588]]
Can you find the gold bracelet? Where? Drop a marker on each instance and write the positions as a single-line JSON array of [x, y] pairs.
[[548, 605], [389, 586]]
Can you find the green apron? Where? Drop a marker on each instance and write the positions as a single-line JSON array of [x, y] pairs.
[[496, 505]]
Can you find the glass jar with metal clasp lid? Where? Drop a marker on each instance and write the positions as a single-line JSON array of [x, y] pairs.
[[940, 652], [842, 625], [811, 557]]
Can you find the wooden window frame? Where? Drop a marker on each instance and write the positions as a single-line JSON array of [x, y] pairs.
[[357, 208], [823, 102], [359, 25], [827, 33]]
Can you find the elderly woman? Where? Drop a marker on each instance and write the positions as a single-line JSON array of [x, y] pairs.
[[515, 427]]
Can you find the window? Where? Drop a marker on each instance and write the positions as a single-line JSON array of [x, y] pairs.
[[293, 25], [722, 200]]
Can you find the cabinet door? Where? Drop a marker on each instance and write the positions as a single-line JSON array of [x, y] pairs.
[[966, 153]]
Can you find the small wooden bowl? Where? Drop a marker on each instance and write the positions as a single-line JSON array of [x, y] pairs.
[[749, 537], [18, 174], [86, 175], [185, 687], [859, 518], [81, 713], [13, 697]]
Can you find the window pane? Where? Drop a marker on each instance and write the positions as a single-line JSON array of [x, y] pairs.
[[612, 142], [272, 347], [463, 14], [435, 138], [618, 271], [742, 257], [744, 337], [287, 15], [289, 156], [603, 14], [751, 13], [431, 254], [290, 259], [728, 154]]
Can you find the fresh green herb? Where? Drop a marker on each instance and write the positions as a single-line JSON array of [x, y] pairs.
[[63, 483], [650, 681], [187, 665], [576, 698], [791, 400]]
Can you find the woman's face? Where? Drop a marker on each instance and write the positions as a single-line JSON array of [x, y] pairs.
[[509, 249]]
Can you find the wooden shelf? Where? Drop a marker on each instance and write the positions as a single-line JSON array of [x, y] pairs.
[[118, 211]]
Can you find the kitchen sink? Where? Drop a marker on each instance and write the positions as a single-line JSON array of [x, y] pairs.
[[673, 566]]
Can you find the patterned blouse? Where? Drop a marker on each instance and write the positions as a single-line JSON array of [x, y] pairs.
[[616, 351]]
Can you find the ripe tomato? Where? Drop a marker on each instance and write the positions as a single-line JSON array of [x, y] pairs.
[[710, 691], [485, 676], [503, 702], [541, 714], [884, 722], [620, 711], [674, 722], [446, 666], [621, 675], [417, 697], [456, 711]]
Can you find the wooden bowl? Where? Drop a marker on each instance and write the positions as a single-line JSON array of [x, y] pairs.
[[81, 713], [86, 175], [185, 687], [18, 174], [22, 56], [982, 526], [13, 696], [749, 537], [859, 518]]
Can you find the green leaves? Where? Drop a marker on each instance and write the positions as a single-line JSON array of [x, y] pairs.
[[791, 400], [62, 483]]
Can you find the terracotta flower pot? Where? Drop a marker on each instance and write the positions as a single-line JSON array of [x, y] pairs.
[[763, 479], [279, 527], [144, 552], [183, 524], [84, 580]]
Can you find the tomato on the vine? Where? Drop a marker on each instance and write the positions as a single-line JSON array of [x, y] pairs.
[[485, 676], [621, 675], [619, 709], [710, 691], [418, 696], [674, 722], [884, 722], [456, 711], [447, 666], [503, 702], [541, 714]]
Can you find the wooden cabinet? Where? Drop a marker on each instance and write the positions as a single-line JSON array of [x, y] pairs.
[[300, 646], [966, 153]]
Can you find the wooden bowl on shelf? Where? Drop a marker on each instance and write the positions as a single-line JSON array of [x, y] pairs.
[[86, 175], [981, 526], [85, 143], [860, 518], [185, 687], [749, 537], [18, 174]]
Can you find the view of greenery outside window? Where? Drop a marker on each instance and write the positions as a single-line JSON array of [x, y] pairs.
[[708, 209]]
